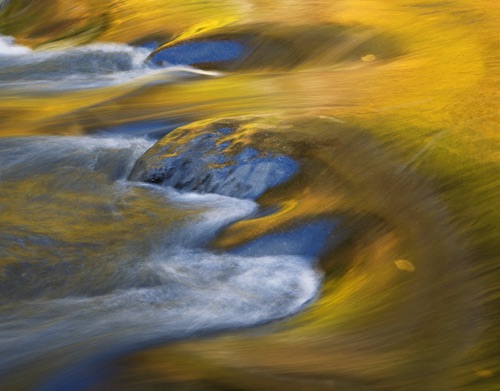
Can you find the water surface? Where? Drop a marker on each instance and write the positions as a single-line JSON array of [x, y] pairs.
[[249, 195]]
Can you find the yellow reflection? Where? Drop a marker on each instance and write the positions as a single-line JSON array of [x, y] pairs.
[[403, 264], [416, 169]]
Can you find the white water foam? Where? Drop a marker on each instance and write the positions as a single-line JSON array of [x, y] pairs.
[[197, 292], [174, 289], [84, 67], [9, 48]]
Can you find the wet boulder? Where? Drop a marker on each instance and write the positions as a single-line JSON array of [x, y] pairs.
[[215, 157]]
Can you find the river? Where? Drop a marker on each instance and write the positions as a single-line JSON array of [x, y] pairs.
[[249, 195]]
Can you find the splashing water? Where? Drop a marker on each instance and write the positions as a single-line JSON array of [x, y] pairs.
[[162, 287], [84, 67]]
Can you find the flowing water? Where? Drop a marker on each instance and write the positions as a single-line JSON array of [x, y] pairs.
[[249, 195]]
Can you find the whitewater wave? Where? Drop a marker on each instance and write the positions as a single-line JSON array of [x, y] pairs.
[[89, 66]]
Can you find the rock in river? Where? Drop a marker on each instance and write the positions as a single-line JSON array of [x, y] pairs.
[[215, 157]]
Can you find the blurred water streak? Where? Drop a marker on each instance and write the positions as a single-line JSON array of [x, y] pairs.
[[366, 132]]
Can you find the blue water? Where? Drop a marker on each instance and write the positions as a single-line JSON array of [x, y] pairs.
[[201, 52]]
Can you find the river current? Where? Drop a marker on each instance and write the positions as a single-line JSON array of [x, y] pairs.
[[241, 195]]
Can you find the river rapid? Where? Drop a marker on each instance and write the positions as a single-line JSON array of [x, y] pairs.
[[244, 195]]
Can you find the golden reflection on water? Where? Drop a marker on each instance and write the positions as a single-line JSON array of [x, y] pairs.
[[407, 145]]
